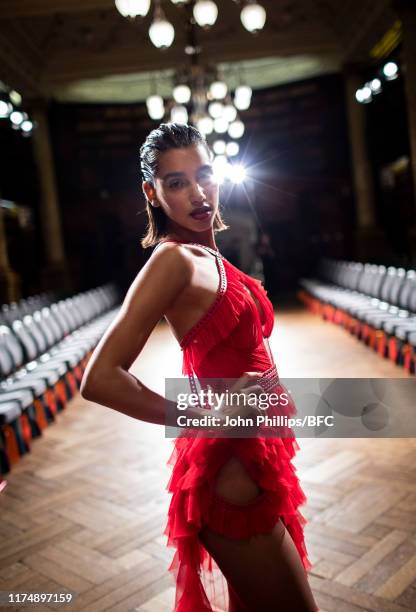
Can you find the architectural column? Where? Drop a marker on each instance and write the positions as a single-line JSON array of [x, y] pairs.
[[406, 11], [9, 280], [407, 14], [55, 274], [369, 238]]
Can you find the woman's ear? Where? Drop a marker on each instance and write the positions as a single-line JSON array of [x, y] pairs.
[[149, 193]]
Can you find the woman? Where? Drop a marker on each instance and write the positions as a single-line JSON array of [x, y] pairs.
[[234, 500]]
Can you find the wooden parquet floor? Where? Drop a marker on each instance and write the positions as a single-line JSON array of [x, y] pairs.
[[85, 511]]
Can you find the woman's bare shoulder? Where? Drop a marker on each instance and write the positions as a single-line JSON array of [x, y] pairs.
[[171, 255], [188, 249]]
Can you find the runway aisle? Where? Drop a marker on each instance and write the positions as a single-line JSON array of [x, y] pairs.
[[85, 511]]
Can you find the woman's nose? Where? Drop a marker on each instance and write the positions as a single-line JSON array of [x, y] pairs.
[[197, 192]]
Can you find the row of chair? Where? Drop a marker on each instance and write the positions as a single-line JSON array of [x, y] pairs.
[[376, 303], [25, 306], [42, 359]]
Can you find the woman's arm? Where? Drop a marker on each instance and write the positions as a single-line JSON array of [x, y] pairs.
[[106, 379]]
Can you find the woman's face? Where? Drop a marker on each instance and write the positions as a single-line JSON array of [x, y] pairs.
[[186, 189]]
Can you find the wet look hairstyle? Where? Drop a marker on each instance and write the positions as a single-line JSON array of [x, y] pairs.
[[164, 138]]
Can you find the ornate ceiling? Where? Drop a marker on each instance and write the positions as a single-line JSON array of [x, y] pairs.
[[84, 50]]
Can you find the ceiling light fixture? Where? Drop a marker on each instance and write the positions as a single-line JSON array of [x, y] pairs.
[[133, 8], [253, 16], [161, 32], [205, 14]]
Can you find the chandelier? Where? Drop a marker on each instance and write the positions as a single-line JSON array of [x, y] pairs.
[[11, 109], [205, 13], [389, 72], [200, 96]]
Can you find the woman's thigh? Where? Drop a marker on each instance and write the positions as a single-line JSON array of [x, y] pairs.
[[264, 572]]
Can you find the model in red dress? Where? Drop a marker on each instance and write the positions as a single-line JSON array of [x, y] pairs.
[[234, 511], [226, 342]]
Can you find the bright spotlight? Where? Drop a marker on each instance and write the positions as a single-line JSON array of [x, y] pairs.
[[391, 71], [221, 168], [236, 173]]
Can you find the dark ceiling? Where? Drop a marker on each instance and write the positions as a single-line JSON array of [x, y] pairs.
[[85, 50]]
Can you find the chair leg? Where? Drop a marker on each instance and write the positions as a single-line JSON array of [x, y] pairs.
[[4, 459], [339, 317], [26, 429], [400, 355], [364, 333], [408, 358], [36, 432], [355, 328], [72, 383], [78, 374], [11, 443], [21, 441], [61, 392], [393, 349], [51, 402], [41, 419], [381, 344], [373, 336]]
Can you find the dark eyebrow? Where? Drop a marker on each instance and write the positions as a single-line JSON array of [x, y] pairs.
[[181, 174], [172, 174]]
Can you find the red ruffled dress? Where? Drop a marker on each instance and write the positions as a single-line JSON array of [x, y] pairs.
[[227, 341]]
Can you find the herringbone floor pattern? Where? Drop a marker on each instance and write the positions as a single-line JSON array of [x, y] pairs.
[[85, 511]]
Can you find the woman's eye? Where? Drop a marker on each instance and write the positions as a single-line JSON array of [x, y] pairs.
[[207, 175], [175, 184]]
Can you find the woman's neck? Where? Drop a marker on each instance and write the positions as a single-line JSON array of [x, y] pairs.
[[204, 238]]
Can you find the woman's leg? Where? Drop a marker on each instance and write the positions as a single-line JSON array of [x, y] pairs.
[[264, 572]]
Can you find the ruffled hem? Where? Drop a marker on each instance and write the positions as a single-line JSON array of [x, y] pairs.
[[194, 504]]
